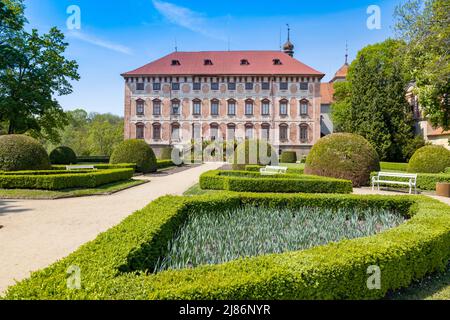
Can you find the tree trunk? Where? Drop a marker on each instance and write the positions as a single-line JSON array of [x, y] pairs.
[[11, 127]]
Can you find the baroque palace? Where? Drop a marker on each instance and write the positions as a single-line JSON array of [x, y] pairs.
[[228, 95]]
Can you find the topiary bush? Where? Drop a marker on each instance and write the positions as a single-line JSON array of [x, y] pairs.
[[135, 151], [63, 155], [345, 156], [252, 152], [288, 157], [430, 159], [166, 153], [20, 152]]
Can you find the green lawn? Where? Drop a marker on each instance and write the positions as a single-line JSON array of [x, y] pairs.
[[68, 193], [196, 191], [293, 165], [435, 287]]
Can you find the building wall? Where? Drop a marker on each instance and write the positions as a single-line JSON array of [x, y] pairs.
[[186, 120]]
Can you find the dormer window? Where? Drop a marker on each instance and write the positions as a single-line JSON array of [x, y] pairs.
[[244, 62], [208, 62], [277, 62], [176, 63]]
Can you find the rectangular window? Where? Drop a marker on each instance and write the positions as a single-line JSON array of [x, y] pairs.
[[175, 86], [304, 86], [231, 108], [156, 132], [175, 133], [175, 108], [231, 86], [249, 108], [283, 86], [249, 86], [197, 86], [304, 134], [265, 133], [140, 108], [156, 86], [266, 86], [214, 108], [231, 134], [214, 133], [265, 108], [248, 133], [215, 86], [140, 86], [283, 108], [157, 108], [197, 108], [140, 132], [283, 132], [304, 108]]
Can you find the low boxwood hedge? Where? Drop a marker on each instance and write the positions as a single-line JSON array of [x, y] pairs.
[[59, 180], [246, 181], [162, 164], [111, 264], [103, 166], [256, 168], [425, 181]]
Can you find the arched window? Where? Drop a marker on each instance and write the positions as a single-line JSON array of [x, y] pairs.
[[214, 131], [284, 128], [265, 131], [175, 107], [231, 134], [304, 136], [249, 131], [265, 107], [140, 107], [283, 107], [175, 132], [156, 107], [214, 107], [140, 131], [249, 107], [197, 107], [156, 131], [304, 107], [231, 107]]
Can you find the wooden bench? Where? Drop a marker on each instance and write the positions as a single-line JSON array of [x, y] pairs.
[[273, 170], [410, 180], [86, 167]]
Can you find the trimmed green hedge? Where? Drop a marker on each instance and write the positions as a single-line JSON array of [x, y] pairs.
[[93, 159], [425, 181], [288, 157], [246, 181], [393, 166], [405, 254], [103, 166], [162, 164], [58, 180], [256, 168], [63, 155], [430, 159]]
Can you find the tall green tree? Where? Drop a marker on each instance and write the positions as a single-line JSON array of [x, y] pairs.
[[33, 71], [373, 101], [425, 27]]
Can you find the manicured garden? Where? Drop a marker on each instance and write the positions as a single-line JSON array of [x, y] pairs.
[[335, 270]]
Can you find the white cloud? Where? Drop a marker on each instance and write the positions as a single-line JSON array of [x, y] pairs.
[[100, 42], [186, 18]]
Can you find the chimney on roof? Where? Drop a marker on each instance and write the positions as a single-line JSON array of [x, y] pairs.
[[288, 47]]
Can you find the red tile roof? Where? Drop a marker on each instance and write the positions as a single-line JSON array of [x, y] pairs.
[[439, 132], [225, 63], [327, 92]]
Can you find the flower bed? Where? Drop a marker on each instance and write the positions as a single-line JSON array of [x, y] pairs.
[[61, 179], [245, 181], [333, 271]]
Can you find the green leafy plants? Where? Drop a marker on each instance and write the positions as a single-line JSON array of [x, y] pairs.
[[430, 159], [63, 155], [218, 237], [344, 156], [404, 254], [135, 151], [288, 157], [247, 181], [20, 152]]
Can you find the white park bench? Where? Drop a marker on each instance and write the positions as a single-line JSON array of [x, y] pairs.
[[272, 170], [409, 180], [85, 167]]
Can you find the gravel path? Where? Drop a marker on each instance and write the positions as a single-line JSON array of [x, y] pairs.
[[36, 233]]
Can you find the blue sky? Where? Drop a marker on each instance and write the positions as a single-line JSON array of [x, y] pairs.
[[118, 36]]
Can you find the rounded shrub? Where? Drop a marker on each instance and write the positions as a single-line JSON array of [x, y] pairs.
[[288, 157], [345, 156], [258, 152], [429, 159], [20, 152], [63, 155], [135, 151], [166, 153]]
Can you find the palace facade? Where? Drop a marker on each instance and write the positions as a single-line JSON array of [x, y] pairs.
[[225, 95]]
